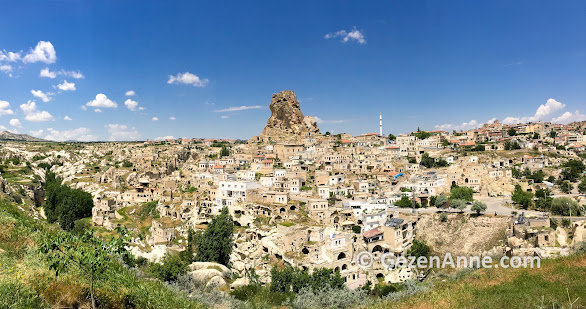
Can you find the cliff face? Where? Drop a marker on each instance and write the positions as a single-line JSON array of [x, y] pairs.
[[286, 119]]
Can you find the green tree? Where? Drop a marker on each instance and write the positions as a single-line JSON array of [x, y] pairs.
[[522, 197], [512, 132], [566, 187], [552, 134], [564, 206], [582, 186], [215, 244], [86, 252], [392, 137], [478, 207], [421, 134], [427, 161], [419, 248], [463, 193], [300, 279], [572, 169], [460, 204], [326, 277], [281, 279], [404, 202], [63, 204], [225, 151], [441, 201]]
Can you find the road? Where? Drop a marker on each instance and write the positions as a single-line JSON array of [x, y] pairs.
[[498, 205]]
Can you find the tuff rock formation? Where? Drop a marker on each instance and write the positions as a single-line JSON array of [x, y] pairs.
[[287, 120]]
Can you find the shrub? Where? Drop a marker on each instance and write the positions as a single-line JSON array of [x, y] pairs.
[[327, 298], [171, 267]]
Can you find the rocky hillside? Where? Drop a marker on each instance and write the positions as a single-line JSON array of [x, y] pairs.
[[13, 137], [286, 119], [463, 234]]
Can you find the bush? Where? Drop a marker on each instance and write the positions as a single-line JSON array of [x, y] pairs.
[[443, 217], [478, 207], [419, 248], [327, 298], [404, 202], [171, 267]]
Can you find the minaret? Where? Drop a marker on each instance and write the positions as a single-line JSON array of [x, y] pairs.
[[381, 123]]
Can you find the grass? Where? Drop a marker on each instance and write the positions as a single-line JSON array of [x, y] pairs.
[[27, 282], [549, 286]]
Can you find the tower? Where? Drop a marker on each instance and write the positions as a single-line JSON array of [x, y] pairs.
[[381, 124]]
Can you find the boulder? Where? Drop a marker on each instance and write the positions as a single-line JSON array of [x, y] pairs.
[[239, 282], [205, 275], [221, 269], [215, 282]]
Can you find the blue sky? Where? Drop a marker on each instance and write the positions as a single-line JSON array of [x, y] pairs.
[[208, 69]]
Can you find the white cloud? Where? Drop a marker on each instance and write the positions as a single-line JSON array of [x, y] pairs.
[[6, 68], [472, 124], [131, 105], [354, 34], [491, 121], [73, 74], [188, 79], [319, 120], [568, 117], [130, 93], [171, 118], [162, 138], [155, 119], [37, 133], [10, 56], [102, 101], [238, 108], [224, 117], [543, 111], [33, 114], [47, 73], [67, 118], [80, 134], [97, 110], [65, 86], [41, 95], [15, 123], [5, 108], [121, 132], [43, 52]]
